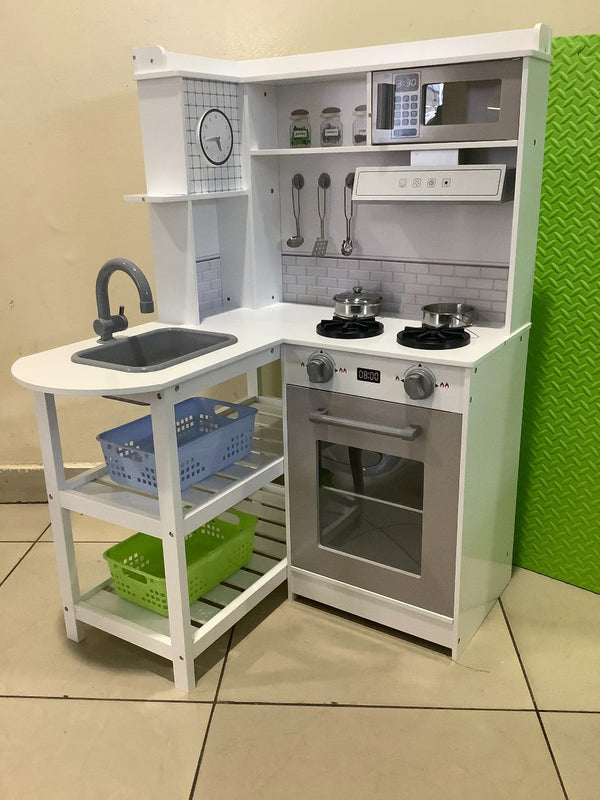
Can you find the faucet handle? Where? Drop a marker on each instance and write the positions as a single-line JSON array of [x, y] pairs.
[[106, 327]]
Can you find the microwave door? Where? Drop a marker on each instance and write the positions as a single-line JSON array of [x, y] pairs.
[[384, 120]]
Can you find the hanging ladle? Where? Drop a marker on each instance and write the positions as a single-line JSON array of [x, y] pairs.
[[346, 248], [297, 184]]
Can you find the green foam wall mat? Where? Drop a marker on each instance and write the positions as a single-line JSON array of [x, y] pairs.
[[558, 506]]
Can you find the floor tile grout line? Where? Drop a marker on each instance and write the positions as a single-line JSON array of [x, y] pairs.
[[25, 554], [211, 715], [64, 697], [533, 700], [375, 706]]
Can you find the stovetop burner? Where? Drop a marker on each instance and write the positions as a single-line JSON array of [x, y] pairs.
[[357, 328], [427, 338]]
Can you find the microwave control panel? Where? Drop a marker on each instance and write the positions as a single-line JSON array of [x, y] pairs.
[[398, 105]]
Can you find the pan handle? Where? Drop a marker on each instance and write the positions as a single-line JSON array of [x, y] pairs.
[[321, 416]]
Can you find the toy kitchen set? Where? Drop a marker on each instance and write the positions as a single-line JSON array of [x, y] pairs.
[[369, 217]]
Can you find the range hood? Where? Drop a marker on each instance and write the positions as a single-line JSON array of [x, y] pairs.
[[473, 183]]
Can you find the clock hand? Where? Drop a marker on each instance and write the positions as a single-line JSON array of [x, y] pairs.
[[216, 139]]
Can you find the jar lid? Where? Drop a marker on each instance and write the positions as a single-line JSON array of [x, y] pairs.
[[357, 296], [360, 109], [298, 113], [330, 111]]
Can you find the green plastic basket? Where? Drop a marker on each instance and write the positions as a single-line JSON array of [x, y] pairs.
[[213, 552]]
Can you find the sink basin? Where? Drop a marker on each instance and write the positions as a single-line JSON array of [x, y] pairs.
[[153, 350]]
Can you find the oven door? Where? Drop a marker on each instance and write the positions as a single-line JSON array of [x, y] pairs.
[[373, 494]]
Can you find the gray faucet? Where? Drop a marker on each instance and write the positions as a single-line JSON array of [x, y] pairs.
[[108, 323]]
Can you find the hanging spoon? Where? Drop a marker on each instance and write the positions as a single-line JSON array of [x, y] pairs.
[[346, 248], [297, 184]]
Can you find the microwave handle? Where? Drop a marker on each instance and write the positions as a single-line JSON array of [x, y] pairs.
[[384, 120], [321, 416]]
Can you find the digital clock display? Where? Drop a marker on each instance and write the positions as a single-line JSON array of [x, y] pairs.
[[407, 81], [368, 375]]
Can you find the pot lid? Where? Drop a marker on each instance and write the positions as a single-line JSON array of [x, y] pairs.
[[357, 296]]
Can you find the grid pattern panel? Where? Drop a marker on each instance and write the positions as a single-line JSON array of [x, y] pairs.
[[199, 96], [405, 286]]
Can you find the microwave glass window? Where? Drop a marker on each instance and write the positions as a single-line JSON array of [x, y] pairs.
[[371, 506], [461, 102]]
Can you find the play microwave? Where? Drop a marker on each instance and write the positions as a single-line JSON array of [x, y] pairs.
[[478, 101]]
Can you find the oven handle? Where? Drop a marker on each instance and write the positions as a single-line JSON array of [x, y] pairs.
[[321, 416]]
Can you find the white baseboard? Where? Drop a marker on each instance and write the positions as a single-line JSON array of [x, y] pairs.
[[25, 484]]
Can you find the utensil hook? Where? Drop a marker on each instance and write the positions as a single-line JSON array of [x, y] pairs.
[[297, 184], [348, 186], [323, 184]]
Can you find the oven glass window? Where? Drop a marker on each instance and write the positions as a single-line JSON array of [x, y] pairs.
[[461, 102], [371, 506]]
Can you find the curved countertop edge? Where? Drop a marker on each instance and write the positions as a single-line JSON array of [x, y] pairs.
[[52, 371]]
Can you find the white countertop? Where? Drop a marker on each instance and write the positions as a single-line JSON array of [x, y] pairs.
[[53, 371]]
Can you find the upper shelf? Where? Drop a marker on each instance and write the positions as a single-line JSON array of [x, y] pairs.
[[178, 198], [373, 149], [154, 62]]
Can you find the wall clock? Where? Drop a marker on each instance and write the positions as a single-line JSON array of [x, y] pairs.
[[215, 136]]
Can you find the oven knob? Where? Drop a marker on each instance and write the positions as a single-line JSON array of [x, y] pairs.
[[320, 368], [419, 383]]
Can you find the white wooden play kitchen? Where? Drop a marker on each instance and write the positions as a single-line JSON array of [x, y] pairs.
[[398, 442]]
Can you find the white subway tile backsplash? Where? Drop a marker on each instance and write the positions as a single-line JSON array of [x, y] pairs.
[[493, 296], [209, 285], [430, 279], [467, 294], [404, 286], [496, 273], [327, 282], [441, 269], [467, 272], [479, 283]]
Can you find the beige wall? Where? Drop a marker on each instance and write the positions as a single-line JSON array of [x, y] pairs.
[[71, 148]]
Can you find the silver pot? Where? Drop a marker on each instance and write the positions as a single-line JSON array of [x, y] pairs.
[[356, 303], [448, 315]]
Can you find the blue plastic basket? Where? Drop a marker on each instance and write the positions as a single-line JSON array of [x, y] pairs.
[[206, 443]]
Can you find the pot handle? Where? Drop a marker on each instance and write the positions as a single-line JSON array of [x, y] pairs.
[[321, 416]]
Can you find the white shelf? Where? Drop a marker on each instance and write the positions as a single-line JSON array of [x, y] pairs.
[[179, 198], [218, 610], [95, 494], [378, 148]]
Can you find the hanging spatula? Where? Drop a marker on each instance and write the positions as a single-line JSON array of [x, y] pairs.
[[323, 185]]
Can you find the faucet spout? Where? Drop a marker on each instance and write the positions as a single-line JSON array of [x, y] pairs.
[[108, 323]]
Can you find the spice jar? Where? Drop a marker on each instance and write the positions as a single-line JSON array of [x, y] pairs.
[[299, 128], [359, 126], [331, 127]]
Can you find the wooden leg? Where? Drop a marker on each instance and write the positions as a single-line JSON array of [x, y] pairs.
[[171, 515], [62, 533]]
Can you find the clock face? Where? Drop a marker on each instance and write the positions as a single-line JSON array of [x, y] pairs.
[[215, 136]]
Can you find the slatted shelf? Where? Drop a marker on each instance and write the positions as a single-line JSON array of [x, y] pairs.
[[217, 611], [95, 494]]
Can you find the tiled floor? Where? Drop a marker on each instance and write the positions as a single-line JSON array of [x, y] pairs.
[[299, 702]]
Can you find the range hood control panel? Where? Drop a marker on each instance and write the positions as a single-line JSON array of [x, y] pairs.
[[487, 183]]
